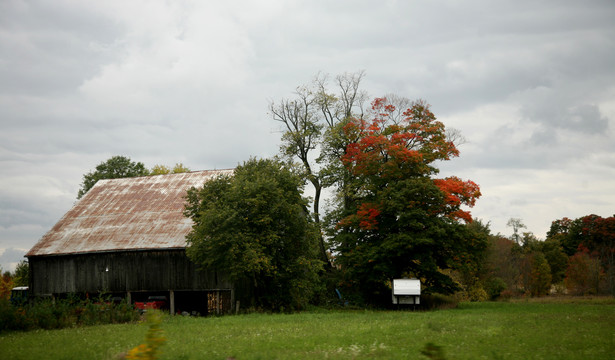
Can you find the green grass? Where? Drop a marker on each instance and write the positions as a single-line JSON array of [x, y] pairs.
[[583, 329]]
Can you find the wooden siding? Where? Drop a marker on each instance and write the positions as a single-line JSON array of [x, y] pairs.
[[161, 270]]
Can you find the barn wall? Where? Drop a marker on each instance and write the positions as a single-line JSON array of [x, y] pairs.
[[127, 271]]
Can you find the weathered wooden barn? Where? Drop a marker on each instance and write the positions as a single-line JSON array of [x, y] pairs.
[[126, 237]]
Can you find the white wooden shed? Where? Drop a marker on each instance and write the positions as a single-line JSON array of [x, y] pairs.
[[406, 291]]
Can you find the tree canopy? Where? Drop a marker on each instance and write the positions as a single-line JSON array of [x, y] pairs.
[[586, 239], [159, 169], [394, 218], [390, 216], [255, 226], [114, 168]]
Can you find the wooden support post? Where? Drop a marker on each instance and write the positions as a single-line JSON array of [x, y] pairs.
[[218, 302], [172, 302]]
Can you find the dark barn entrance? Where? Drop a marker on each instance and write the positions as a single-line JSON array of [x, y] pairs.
[[189, 302], [212, 302]]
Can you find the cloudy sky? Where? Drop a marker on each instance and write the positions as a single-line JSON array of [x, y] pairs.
[[530, 84]]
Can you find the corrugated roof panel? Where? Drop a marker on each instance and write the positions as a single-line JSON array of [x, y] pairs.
[[126, 214]]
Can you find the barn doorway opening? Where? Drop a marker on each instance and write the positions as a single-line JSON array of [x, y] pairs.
[[203, 303]]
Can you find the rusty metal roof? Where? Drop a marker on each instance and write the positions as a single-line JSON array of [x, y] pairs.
[[140, 213]]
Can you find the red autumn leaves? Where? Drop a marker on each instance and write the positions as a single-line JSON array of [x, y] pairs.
[[396, 148], [456, 193], [387, 149]]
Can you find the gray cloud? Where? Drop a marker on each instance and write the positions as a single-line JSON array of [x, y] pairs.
[[529, 84], [48, 48], [10, 258]]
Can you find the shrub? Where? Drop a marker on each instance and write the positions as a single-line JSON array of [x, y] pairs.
[[11, 317], [506, 294], [494, 287], [47, 314], [472, 293], [477, 293], [103, 311], [50, 314]]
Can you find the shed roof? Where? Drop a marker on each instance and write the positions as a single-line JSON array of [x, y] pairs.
[[139, 213]]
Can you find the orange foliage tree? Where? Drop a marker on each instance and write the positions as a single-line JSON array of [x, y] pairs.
[[6, 284], [397, 218]]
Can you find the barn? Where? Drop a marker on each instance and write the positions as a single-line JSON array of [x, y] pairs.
[[127, 238]]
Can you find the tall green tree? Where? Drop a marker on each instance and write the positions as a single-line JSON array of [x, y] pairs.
[[398, 219], [503, 261], [255, 226], [535, 273], [471, 265], [556, 257], [21, 276], [115, 167]]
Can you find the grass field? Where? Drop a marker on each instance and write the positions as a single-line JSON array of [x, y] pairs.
[[570, 329]]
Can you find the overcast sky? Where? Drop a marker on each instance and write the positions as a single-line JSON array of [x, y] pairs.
[[530, 84]]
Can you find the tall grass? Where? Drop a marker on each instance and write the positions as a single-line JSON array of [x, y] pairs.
[[512, 330], [48, 314]]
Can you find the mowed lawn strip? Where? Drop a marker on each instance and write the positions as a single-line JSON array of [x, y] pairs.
[[497, 330]]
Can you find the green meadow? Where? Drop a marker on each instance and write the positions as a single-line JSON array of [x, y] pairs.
[[525, 329]]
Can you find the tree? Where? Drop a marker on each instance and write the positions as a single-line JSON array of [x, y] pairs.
[[535, 274], [559, 228], [516, 224], [556, 257], [593, 233], [6, 284], [159, 169], [569, 232], [180, 168], [307, 119], [163, 169], [583, 273], [536, 259], [400, 219], [471, 265], [113, 168], [255, 226], [21, 276], [503, 262]]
